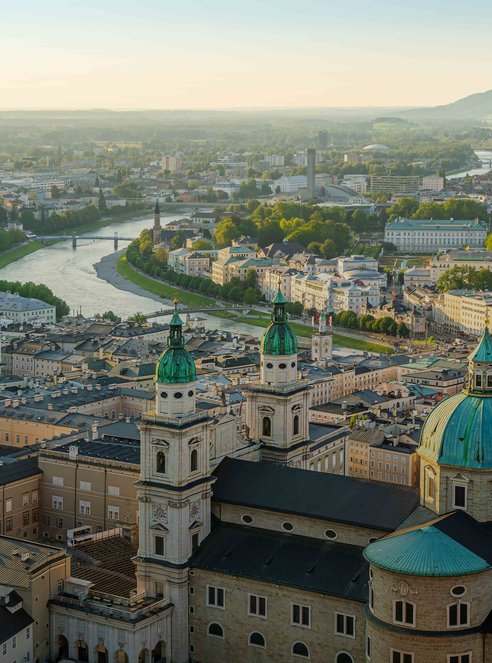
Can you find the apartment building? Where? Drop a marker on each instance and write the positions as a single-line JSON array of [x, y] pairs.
[[89, 483], [463, 311], [25, 309], [394, 183], [429, 236], [327, 294], [225, 258], [478, 259], [191, 263], [20, 499]]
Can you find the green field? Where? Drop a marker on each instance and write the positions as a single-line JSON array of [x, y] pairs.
[[161, 289], [18, 252]]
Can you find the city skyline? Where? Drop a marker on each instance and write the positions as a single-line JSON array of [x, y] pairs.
[[256, 55]]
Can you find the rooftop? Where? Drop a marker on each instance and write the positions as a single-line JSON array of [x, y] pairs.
[[364, 503]]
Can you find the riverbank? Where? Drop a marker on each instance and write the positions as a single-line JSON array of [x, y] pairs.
[[115, 270], [23, 250]]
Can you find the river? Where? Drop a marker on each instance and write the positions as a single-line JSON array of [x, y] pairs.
[[71, 275], [485, 156]]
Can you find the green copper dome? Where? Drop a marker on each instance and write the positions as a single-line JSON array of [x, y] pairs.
[[458, 431], [176, 364], [279, 339], [425, 550]]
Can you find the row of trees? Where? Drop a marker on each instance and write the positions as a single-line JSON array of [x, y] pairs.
[[140, 255], [69, 220], [9, 238], [367, 322], [463, 277], [36, 291], [454, 208]]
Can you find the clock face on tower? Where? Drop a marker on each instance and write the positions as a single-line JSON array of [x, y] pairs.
[[159, 513]]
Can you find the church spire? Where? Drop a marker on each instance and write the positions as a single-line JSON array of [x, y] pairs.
[[157, 209], [480, 366]]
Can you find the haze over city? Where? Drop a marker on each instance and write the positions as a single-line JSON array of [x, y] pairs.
[[242, 55]]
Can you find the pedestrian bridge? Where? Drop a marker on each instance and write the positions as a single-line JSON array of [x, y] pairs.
[[202, 309], [77, 238]]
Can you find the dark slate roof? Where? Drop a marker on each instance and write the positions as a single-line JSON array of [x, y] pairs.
[[127, 451], [310, 564], [21, 469], [12, 623], [361, 502]]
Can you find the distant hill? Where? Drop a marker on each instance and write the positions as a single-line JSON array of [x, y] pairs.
[[474, 107]]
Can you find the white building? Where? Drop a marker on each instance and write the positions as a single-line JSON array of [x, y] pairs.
[[327, 293], [25, 309], [291, 183], [432, 183], [464, 311], [428, 235]]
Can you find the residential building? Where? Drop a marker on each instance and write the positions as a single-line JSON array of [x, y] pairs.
[[21, 499], [432, 183], [429, 236], [174, 164], [394, 183], [16, 635], [464, 311], [26, 309]]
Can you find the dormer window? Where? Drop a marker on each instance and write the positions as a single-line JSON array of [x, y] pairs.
[[478, 380]]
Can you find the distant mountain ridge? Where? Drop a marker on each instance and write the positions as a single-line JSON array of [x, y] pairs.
[[476, 106]]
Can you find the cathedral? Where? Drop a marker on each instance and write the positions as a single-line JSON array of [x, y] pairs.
[[245, 554]]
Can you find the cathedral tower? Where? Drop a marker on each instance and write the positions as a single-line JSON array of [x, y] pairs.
[[277, 406], [322, 342], [174, 486]]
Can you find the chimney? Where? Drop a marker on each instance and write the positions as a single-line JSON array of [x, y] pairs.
[[94, 429], [73, 452]]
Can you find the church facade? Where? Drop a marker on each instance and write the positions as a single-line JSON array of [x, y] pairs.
[[246, 555]]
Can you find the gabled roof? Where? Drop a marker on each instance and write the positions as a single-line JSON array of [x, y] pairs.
[[364, 503]]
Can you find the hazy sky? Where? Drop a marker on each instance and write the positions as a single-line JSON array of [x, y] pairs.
[[253, 53]]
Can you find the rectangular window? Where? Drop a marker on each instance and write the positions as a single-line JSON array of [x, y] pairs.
[[85, 485], [368, 646], [8, 525], [459, 496], [56, 502], [14, 642], [195, 542], [28, 632], [58, 481], [113, 512], [159, 545], [25, 499], [460, 658], [159, 589], [25, 518], [257, 606], [114, 491], [401, 657], [345, 625], [59, 522], [8, 505], [215, 597], [301, 615], [34, 496], [85, 508], [35, 516]]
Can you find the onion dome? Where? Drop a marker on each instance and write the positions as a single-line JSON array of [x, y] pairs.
[[176, 364], [279, 339], [458, 431]]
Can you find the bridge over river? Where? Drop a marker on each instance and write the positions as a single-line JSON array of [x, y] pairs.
[[202, 309], [77, 238]]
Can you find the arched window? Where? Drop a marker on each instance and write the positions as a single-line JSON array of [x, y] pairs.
[[404, 613], [257, 640], [458, 615], [300, 649], [161, 462], [343, 657], [194, 460], [296, 424], [216, 630], [267, 427]]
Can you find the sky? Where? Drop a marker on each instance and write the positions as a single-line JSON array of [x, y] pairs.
[[251, 54]]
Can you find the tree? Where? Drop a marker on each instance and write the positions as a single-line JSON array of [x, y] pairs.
[[138, 318], [109, 315], [251, 279], [250, 296], [294, 309], [178, 240], [101, 202], [55, 192], [202, 245], [225, 232], [161, 256], [402, 330], [488, 242]]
